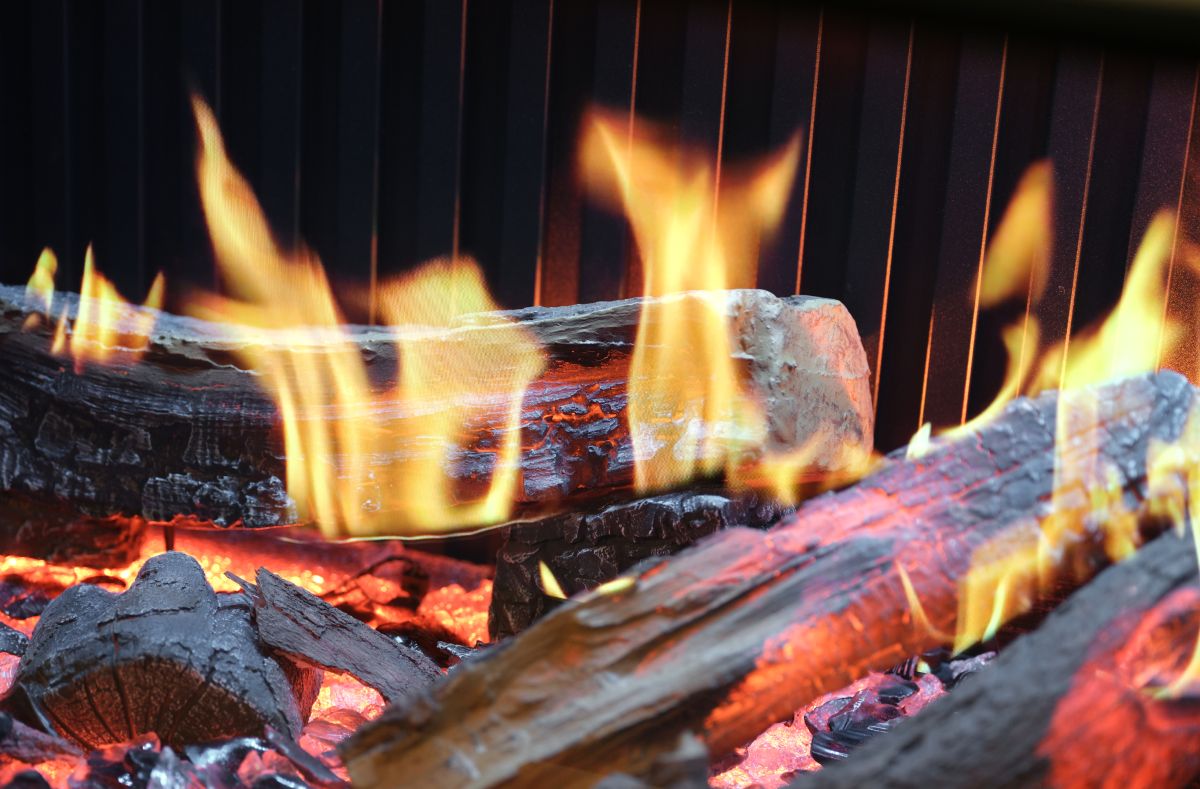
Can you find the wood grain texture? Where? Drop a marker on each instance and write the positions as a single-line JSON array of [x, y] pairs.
[[739, 631], [187, 433]]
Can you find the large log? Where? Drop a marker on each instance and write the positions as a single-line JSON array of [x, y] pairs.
[[1076, 703], [187, 431], [739, 631]]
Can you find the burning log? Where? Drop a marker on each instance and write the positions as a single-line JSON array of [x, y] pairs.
[[312, 632], [167, 656], [184, 433], [1075, 703], [585, 549], [742, 629]]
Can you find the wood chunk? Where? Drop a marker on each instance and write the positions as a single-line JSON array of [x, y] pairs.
[[312, 632], [25, 744], [585, 549], [12, 641], [168, 656], [1066, 705], [742, 629], [186, 432]]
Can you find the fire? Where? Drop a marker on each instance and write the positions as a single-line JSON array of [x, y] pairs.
[[697, 231], [105, 327], [352, 465]]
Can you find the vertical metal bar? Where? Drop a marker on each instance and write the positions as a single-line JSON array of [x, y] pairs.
[[458, 133], [541, 235], [1187, 152]]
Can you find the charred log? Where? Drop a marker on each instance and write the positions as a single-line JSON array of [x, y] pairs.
[[312, 632], [742, 629], [168, 656], [186, 433], [585, 549], [1075, 703], [23, 743], [54, 530]]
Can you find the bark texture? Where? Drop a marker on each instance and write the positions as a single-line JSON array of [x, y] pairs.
[[168, 656], [737, 632], [312, 632], [186, 433], [585, 549], [1068, 705]]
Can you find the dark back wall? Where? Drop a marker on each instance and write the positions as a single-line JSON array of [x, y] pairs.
[[386, 132]]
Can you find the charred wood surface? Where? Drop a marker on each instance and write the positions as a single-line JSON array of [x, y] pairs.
[[26, 744], [1072, 704], [739, 631], [186, 431], [312, 632], [168, 656], [54, 530], [585, 549]]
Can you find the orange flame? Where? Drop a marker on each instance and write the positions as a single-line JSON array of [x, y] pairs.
[[689, 411], [105, 327], [352, 465]]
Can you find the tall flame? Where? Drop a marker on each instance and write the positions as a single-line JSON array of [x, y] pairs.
[[352, 465], [698, 232], [41, 285]]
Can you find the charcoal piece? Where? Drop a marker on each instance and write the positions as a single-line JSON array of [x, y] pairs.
[[187, 431], [742, 629], [817, 720], [167, 656], [893, 692], [309, 630], [26, 744], [952, 671], [1064, 705], [13, 641], [585, 549]]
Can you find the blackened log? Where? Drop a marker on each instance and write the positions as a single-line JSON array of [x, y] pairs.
[[739, 631], [585, 549], [185, 432], [1076, 703], [12, 641], [55, 531], [168, 656], [312, 632]]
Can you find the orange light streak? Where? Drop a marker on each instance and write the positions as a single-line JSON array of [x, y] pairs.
[[887, 272], [925, 380], [987, 213], [1087, 185], [812, 123]]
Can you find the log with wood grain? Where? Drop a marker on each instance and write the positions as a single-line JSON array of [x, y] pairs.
[[1078, 702], [186, 433], [737, 632]]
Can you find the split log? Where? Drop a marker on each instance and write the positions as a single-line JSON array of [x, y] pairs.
[[301, 625], [1076, 703], [167, 656], [744, 628], [585, 549], [185, 432]]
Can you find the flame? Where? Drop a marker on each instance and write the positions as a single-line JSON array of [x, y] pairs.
[[105, 327], [351, 465], [697, 231], [1018, 255], [41, 285], [550, 585]]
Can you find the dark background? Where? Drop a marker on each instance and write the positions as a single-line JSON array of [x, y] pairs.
[[387, 132]]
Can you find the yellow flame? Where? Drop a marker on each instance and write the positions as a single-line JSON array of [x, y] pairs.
[[105, 327], [550, 584], [1018, 256], [696, 230], [353, 464], [919, 444], [41, 285]]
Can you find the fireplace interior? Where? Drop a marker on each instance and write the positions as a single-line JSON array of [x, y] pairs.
[[614, 393]]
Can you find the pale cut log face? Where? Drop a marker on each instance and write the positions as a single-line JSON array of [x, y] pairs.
[[167, 656], [185, 433]]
